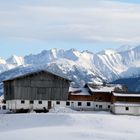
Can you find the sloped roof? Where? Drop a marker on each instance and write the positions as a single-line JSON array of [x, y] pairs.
[[36, 72], [108, 88]]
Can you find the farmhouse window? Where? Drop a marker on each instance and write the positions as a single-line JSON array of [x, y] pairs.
[[127, 108], [79, 104], [40, 102], [88, 104], [67, 103], [100, 106], [108, 106], [4, 107], [22, 102], [58, 102], [31, 102]]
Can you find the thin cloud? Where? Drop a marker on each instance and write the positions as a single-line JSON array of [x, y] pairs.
[[91, 20]]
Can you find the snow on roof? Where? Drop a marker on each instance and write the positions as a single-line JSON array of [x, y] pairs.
[[103, 88], [72, 89], [126, 95], [78, 91], [126, 104]]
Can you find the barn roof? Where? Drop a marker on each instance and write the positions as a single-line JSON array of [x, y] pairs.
[[36, 72], [108, 88], [101, 88]]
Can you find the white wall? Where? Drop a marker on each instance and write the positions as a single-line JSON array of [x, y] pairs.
[[16, 104], [117, 109], [121, 109]]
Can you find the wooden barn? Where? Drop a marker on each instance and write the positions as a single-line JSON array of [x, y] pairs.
[[37, 90]]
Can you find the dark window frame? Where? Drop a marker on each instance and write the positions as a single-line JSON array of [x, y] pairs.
[[100, 106], [88, 103], [40, 102], [67, 103], [31, 102], [22, 101], [127, 108], [79, 103], [58, 102]]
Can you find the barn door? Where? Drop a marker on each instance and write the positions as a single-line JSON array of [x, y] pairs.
[[49, 104]]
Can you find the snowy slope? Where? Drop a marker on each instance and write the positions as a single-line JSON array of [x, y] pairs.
[[69, 126], [10, 63], [86, 60]]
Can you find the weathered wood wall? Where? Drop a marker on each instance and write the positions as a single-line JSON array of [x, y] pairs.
[[125, 99], [97, 97], [39, 86]]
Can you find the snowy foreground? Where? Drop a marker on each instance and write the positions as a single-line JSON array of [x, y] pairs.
[[69, 126]]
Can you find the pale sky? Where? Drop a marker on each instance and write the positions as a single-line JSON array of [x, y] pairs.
[[30, 26]]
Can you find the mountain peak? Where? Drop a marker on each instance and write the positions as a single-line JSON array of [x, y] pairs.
[[55, 50], [73, 50], [15, 60], [107, 52], [124, 48], [88, 52], [2, 61]]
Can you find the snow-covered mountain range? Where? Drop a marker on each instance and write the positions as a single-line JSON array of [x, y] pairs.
[[81, 67]]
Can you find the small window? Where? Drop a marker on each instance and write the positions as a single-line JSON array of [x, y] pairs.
[[22, 102], [96, 105], [4, 107], [40, 102], [108, 106], [58, 102], [67, 103], [0, 107], [79, 104], [127, 108], [100, 106], [31, 102], [100, 98], [88, 104]]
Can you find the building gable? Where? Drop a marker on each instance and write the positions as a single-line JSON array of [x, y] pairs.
[[37, 86]]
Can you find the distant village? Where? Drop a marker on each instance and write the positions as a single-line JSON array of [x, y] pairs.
[[42, 90]]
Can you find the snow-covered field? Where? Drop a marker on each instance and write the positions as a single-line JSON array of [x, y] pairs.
[[69, 126]]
